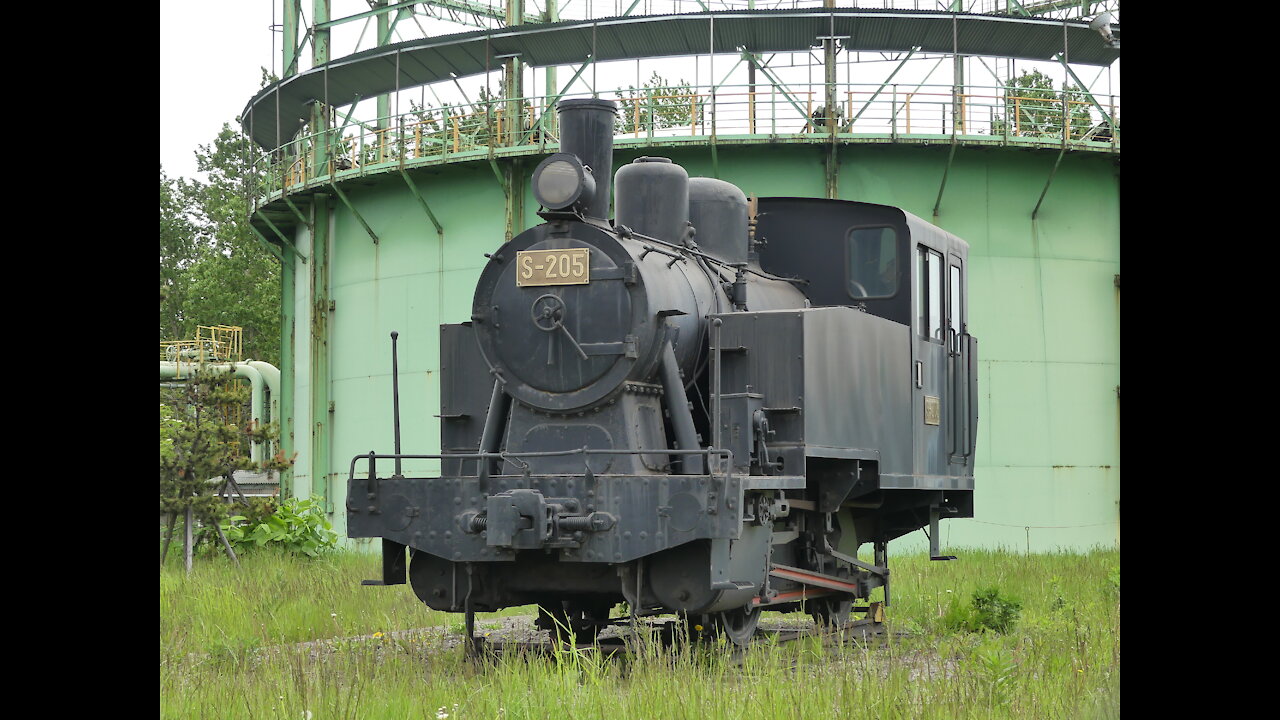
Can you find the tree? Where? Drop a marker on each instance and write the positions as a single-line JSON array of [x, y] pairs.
[[203, 437], [1033, 109], [669, 105], [178, 250], [212, 269], [489, 114], [426, 127]]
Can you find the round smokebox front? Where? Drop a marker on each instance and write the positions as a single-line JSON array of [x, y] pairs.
[[562, 316]]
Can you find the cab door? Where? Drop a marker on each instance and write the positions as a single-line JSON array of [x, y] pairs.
[[932, 406], [958, 397]]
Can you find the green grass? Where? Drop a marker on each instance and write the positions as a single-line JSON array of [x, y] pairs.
[[231, 646]]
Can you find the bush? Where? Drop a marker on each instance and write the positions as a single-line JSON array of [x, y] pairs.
[[296, 525], [987, 610], [257, 511]]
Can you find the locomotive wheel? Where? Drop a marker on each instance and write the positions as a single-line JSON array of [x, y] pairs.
[[832, 611], [739, 625], [699, 627], [570, 622]]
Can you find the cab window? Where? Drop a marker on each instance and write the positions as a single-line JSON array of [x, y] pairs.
[[955, 303], [930, 296], [872, 262]]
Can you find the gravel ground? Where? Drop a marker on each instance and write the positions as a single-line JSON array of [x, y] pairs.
[[519, 630]]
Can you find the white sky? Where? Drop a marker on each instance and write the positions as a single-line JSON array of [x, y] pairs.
[[211, 55]]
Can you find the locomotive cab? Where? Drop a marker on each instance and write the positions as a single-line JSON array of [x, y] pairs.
[[687, 407], [904, 270]]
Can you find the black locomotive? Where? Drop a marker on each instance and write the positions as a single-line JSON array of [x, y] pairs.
[[703, 406]]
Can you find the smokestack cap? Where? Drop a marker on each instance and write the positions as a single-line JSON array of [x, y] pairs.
[[587, 104]]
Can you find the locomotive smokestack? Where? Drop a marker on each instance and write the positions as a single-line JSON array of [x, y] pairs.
[[586, 130]]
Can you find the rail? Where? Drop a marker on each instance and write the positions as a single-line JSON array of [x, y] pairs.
[[212, 343], [679, 115], [518, 457]]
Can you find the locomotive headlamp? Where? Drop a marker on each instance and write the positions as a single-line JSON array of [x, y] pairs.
[[562, 181]]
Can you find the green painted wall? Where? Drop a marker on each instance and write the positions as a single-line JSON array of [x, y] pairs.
[[1044, 307]]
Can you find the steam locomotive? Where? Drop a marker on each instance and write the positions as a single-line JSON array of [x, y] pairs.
[[703, 406]]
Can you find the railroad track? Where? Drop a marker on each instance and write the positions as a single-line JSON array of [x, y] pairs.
[[669, 634]]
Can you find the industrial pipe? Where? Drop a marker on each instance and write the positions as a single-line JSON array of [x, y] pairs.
[[270, 375], [261, 376]]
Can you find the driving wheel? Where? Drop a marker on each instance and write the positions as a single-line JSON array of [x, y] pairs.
[[739, 625], [832, 611], [572, 622]]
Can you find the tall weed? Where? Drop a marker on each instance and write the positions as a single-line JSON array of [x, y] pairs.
[[988, 610], [286, 635]]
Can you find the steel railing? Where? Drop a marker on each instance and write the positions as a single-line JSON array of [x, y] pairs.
[[212, 343], [669, 115]]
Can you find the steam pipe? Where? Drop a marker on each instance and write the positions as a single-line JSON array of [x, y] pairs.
[[678, 408], [494, 422]]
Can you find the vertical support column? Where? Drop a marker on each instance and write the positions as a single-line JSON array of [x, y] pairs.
[[830, 102], [513, 86], [513, 125], [320, 36], [832, 170], [288, 276], [319, 109], [957, 82], [514, 176], [958, 120], [513, 81], [321, 405], [513, 90], [321, 419], [552, 119], [829, 73], [289, 53], [751, 85], [384, 101]]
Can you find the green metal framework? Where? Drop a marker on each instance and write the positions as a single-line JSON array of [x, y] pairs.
[[299, 28], [514, 125]]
